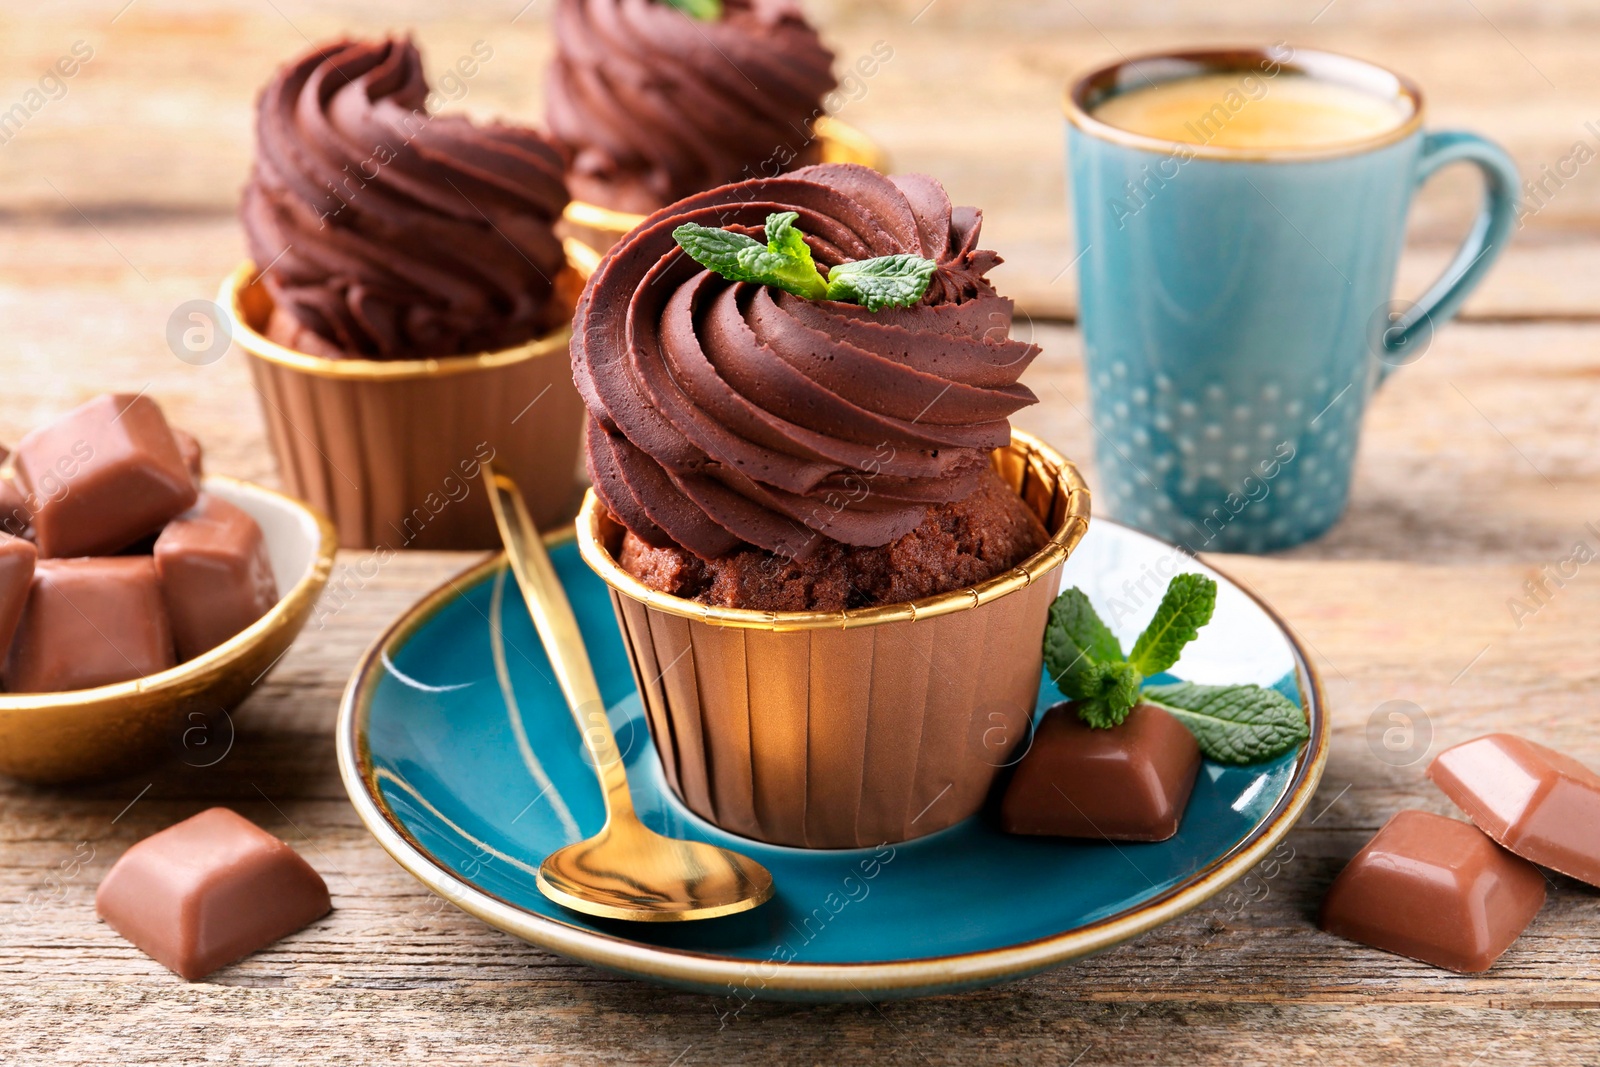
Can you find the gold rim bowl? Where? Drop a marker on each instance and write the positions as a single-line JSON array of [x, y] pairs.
[[185, 710]]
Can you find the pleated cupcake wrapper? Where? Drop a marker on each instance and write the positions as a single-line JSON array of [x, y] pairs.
[[601, 227], [390, 451], [848, 729]]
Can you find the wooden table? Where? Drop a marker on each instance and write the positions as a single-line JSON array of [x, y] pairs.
[[1479, 467]]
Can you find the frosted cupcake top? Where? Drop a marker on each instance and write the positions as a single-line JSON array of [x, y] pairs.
[[729, 413], [388, 233]]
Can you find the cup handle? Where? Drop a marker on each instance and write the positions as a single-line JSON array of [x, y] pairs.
[[1478, 252]]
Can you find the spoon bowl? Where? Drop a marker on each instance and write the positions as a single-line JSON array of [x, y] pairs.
[[626, 871]]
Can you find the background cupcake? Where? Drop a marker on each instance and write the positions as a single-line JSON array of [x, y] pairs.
[[393, 233], [659, 99], [390, 236], [788, 472]]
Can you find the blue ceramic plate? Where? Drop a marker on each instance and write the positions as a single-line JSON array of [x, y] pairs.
[[460, 756]]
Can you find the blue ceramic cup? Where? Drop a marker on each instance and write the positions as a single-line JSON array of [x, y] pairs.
[[1237, 303]]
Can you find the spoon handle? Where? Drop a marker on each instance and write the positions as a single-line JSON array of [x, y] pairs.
[[558, 631]]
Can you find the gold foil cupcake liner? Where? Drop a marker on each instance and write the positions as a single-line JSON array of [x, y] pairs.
[[601, 227], [390, 449], [851, 728]]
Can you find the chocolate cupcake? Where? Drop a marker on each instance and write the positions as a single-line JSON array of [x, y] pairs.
[[658, 100], [796, 475], [407, 284]]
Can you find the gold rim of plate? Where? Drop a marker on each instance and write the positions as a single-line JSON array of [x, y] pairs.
[[707, 970], [1074, 522], [840, 142], [1077, 107], [581, 260], [289, 605]]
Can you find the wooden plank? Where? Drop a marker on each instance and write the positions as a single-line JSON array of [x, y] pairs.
[[392, 971], [158, 124]]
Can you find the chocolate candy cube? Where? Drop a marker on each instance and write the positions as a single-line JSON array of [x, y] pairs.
[[1437, 890], [16, 518], [17, 559], [208, 891], [215, 574], [103, 475], [90, 622], [1541, 804], [189, 449], [1128, 783]]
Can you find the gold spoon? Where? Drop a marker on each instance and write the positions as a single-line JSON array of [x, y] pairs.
[[626, 871]]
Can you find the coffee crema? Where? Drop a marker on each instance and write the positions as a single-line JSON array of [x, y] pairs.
[[1247, 110]]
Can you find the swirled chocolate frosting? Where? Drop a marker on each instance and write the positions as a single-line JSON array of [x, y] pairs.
[[728, 414], [655, 105], [388, 233]]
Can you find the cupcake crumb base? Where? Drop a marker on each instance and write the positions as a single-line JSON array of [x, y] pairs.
[[957, 545]]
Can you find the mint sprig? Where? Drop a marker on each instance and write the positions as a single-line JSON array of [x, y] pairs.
[[785, 262], [1237, 724], [1186, 607], [1077, 644], [888, 281], [704, 10], [744, 259], [1233, 723]]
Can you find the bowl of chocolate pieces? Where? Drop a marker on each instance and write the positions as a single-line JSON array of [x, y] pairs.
[[140, 599]]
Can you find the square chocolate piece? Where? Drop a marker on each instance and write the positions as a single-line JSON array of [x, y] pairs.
[[1128, 783], [16, 518], [104, 475], [90, 622], [189, 449], [1437, 890], [17, 559], [215, 574], [1541, 804], [210, 890]]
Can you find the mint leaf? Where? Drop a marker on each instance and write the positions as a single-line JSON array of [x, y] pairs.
[[1236, 724], [704, 10], [1075, 639], [744, 259], [1107, 692], [888, 281], [1186, 607], [784, 239], [1086, 662], [785, 262]]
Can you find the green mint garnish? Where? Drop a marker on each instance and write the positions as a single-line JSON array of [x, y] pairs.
[[1233, 723], [888, 281], [744, 259], [1185, 608], [704, 10], [1076, 641], [785, 240], [1107, 693], [785, 262]]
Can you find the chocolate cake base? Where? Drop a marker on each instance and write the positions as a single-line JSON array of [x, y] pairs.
[[956, 546]]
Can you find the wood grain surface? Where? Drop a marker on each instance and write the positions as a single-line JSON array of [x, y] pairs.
[[1478, 467]]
